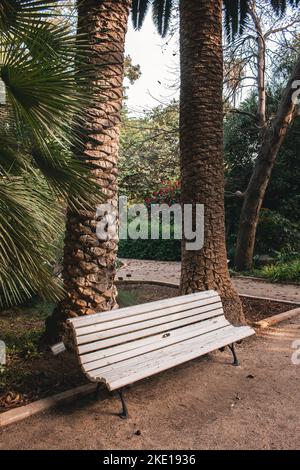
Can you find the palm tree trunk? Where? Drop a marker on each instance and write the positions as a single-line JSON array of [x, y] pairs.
[[201, 146], [89, 263]]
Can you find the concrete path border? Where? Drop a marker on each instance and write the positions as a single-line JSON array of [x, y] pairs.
[[17, 414]]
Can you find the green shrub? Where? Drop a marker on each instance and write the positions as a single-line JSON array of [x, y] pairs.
[[161, 250], [276, 233], [282, 272]]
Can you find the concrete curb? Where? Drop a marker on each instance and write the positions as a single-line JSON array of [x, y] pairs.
[[265, 280], [22, 412], [148, 281], [288, 302]]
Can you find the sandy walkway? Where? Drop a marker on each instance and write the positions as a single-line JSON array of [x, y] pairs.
[[204, 404], [170, 272]]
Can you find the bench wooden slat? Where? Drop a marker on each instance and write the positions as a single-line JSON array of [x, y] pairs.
[[134, 363], [191, 329], [213, 341], [137, 309], [159, 343], [147, 332], [146, 316], [141, 361], [125, 345], [143, 325]]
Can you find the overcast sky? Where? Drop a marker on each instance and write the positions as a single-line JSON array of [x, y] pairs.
[[157, 62]]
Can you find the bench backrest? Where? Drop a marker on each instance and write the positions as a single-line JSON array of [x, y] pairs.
[[108, 337]]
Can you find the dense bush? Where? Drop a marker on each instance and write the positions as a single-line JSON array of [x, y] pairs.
[[276, 233], [161, 250], [282, 272]]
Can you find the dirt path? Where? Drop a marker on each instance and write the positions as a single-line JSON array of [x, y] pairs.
[[204, 404], [170, 272]]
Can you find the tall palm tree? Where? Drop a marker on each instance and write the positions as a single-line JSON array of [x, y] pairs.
[[89, 263], [201, 131], [41, 94], [201, 148]]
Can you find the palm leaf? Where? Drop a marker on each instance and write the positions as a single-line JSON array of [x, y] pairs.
[[236, 12], [16, 15], [40, 126], [139, 11], [28, 223], [46, 98], [161, 12]]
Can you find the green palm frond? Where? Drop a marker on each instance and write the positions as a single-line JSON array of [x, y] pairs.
[[44, 68], [236, 13], [46, 94], [279, 5], [139, 11], [17, 15], [68, 177], [161, 12], [43, 94], [28, 224], [232, 15], [243, 15]]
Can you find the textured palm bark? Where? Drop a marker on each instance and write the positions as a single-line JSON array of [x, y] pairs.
[[273, 138], [201, 146], [89, 263]]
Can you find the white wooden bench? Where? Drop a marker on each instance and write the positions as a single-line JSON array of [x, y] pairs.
[[123, 346]]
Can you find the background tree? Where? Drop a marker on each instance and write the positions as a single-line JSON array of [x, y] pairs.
[[264, 41], [149, 151], [277, 227]]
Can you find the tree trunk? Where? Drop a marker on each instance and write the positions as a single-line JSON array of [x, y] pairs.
[[261, 68], [274, 136], [89, 263], [201, 146]]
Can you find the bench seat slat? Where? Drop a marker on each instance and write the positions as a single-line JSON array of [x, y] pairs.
[[147, 316], [136, 343], [122, 346], [143, 325], [182, 352], [102, 317], [157, 342], [141, 361], [104, 343]]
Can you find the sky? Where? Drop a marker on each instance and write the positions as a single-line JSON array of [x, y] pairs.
[[157, 62]]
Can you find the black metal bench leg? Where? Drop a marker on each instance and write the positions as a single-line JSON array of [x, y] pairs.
[[235, 359], [124, 412]]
